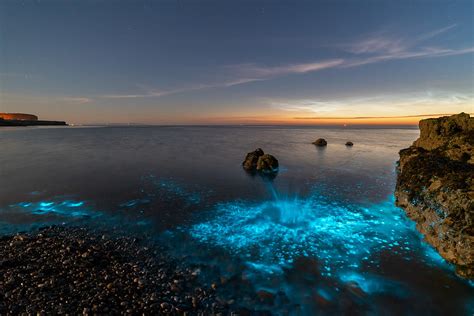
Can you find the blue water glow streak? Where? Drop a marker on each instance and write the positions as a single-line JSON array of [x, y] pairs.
[[372, 284], [65, 208]]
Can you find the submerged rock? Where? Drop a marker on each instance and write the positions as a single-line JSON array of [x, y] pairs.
[[267, 164], [349, 144], [321, 142], [250, 161], [435, 186]]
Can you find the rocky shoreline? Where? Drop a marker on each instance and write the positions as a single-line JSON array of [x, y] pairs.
[[435, 186], [73, 270]]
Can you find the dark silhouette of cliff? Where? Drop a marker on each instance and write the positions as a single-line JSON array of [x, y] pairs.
[[22, 119]]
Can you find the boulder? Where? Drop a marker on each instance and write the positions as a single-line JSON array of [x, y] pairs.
[[267, 164], [349, 144], [435, 187], [321, 142], [250, 161]]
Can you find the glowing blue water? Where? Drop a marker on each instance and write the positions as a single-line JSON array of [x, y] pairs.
[[62, 208], [341, 236]]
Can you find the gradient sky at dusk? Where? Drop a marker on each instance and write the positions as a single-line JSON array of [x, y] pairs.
[[219, 62]]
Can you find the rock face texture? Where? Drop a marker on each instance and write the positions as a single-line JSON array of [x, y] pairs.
[[435, 186], [267, 163], [250, 161], [257, 160]]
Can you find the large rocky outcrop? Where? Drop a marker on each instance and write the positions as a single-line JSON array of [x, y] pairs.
[[435, 186]]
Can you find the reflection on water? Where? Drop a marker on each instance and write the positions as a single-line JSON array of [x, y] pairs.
[[323, 237]]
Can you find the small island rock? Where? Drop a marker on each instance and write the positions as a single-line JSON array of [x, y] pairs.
[[250, 161], [267, 164], [321, 142], [349, 144]]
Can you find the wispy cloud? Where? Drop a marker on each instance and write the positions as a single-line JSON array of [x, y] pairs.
[[78, 100], [16, 75], [376, 45], [151, 93], [377, 48], [382, 105], [426, 52], [434, 33], [245, 73], [305, 105], [384, 47], [131, 96], [371, 117], [267, 72]]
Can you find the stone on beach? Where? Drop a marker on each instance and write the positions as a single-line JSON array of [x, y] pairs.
[[70, 270]]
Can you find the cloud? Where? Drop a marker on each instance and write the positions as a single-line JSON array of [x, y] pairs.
[[383, 43], [377, 48], [427, 52], [305, 105], [435, 33], [370, 117], [249, 72], [78, 100], [268, 72], [17, 75], [383, 47], [240, 81], [378, 44], [383, 105], [131, 96], [150, 93]]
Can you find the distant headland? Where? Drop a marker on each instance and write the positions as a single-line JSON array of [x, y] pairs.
[[22, 119]]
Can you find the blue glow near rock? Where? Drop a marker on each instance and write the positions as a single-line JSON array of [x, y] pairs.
[[342, 236], [339, 235], [372, 284]]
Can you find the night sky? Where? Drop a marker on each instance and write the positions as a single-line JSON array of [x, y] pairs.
[[232, 62]]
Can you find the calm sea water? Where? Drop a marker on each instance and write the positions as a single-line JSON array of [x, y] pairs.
[[323, 236]]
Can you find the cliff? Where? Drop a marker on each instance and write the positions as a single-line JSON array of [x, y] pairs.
[[18, 117], [30, 123], [435, 186]]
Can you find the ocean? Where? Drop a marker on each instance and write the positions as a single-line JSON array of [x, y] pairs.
[[323, 235]]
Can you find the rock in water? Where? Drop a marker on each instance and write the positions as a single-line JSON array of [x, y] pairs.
[[321, 142], [349, 144], [250, 161], [435, 186], [267, 164]]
